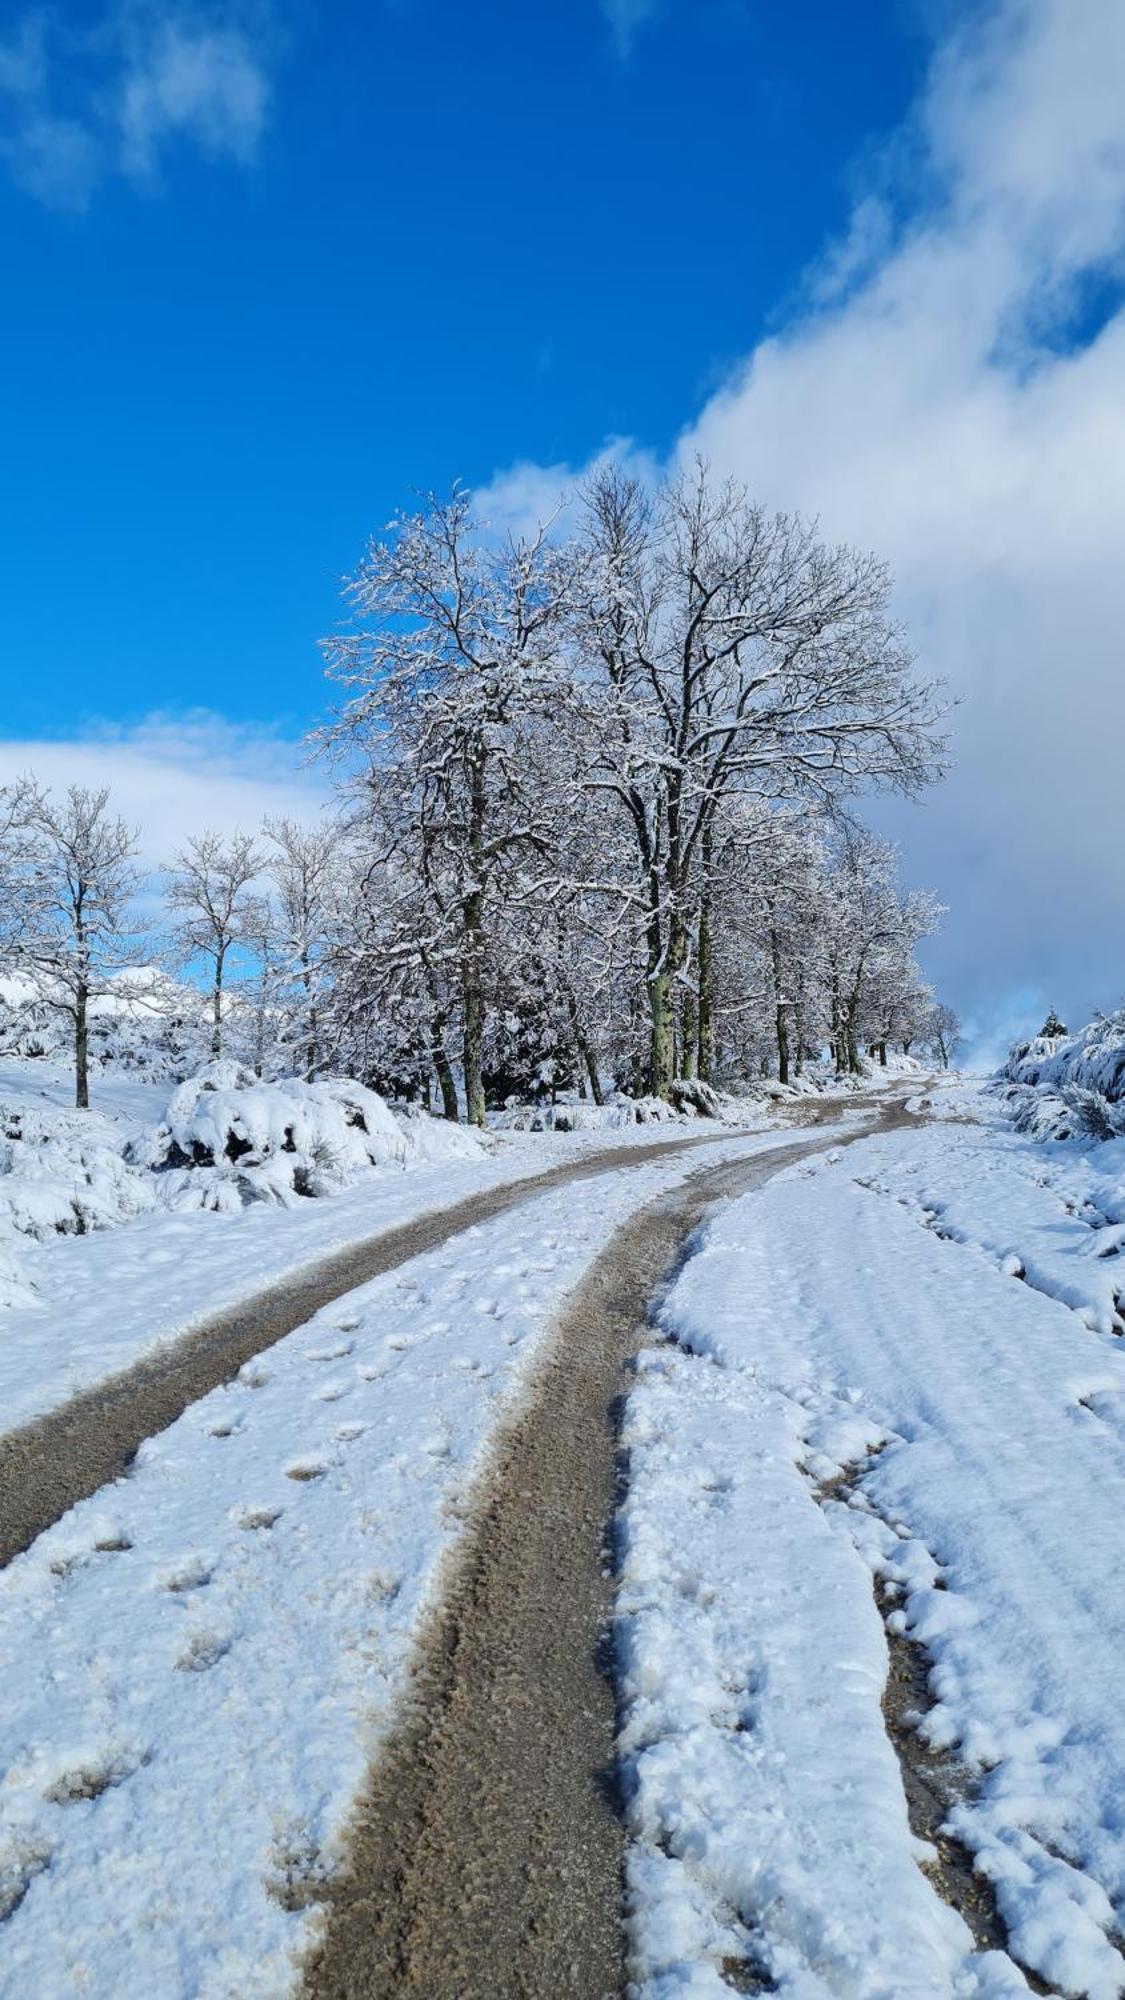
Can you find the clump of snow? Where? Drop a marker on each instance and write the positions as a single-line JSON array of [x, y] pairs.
[[1070, 1086]]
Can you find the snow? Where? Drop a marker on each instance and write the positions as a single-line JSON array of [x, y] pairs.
[[1059, 1087], [199, 1659], [825, 1324], [95, 1304]]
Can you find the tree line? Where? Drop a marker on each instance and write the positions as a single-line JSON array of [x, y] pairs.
[[594, 823]]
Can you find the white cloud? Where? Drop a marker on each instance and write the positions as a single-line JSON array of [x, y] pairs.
[[931, 398], [174, 775], [626, 18], [205, 84], [522, 498], [80, 105]]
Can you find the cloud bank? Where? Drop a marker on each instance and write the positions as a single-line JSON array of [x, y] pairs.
[[172, 776], [79, 107], [950, 390]]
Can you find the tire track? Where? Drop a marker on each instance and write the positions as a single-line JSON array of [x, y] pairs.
[[486, 1852]]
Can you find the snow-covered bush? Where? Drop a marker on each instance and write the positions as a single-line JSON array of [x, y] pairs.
[[229, 1139], [62, 1173], [1069, 1086]]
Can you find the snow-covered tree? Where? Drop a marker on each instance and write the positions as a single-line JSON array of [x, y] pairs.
[[78, 924], [724, 651], [452, 652], [302, 865], [943, 1032], [214, 902]]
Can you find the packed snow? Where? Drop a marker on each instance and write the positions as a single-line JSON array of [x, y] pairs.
[[198, 1659], [857, 1330]]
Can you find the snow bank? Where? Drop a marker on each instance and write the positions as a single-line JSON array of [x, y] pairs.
[[1070, 1086]]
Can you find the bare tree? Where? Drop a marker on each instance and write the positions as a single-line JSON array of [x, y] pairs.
[[303, 869], [79, 933], [944, 1032], [211, 892]]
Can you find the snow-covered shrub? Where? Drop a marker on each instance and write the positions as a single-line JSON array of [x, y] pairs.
[[1069, 1086], [229, 1139], [574, 1114], [62, 1173]]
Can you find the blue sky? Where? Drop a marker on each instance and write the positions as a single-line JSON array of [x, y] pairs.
[[268, 265], [462, 236]]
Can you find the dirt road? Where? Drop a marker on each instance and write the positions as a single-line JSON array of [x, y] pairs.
[[486, 1855]]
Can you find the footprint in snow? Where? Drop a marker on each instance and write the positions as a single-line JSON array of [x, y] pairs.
[[253, 1376], [306, 1469], [22, 1858], [91, 1772], [192, 1572], [332, 1392], [205, 1647], [257, 1517], [335, 1352], [347, 1433]]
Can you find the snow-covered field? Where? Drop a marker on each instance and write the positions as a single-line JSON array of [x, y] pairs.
[[198, 1659], [857, 1331]]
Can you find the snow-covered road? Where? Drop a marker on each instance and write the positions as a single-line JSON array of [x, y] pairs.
[[826, 1325], [197, 1660], [895, 1366]]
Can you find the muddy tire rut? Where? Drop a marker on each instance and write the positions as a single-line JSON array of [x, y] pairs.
[[485, 1857]]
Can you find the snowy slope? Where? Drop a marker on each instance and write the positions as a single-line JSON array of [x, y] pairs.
[[824, 1325]]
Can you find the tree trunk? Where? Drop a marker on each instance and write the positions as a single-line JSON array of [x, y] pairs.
[[446, 1084], [839, 1044], [661, 1037], [310, 1019], [799, 1037], [471, 985], [217, 1006], [706, 1009], [689, 1036], [586, 1054], [779, 1004], [81, 1048]]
